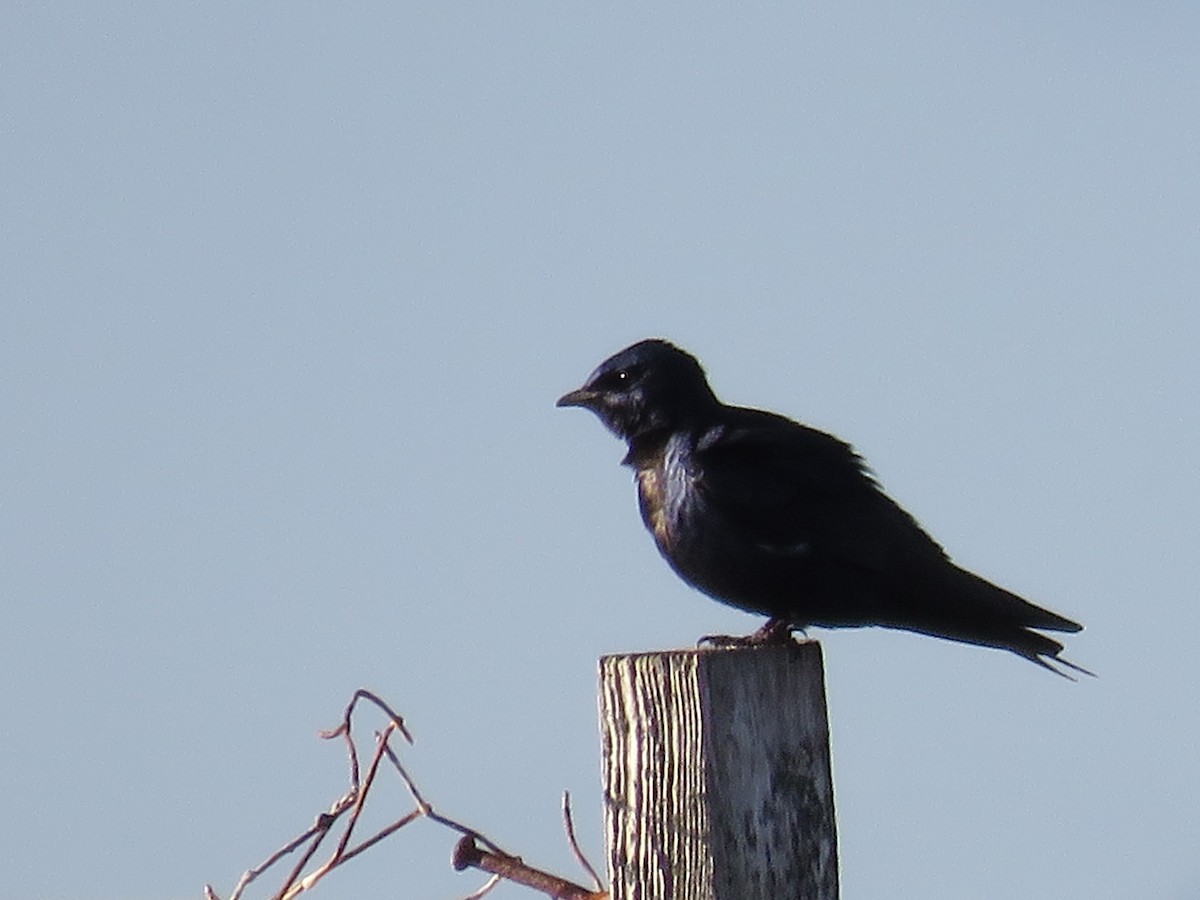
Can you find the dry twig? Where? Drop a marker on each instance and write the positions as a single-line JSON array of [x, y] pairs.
[[569, 828], [512, 868], [499, 864]]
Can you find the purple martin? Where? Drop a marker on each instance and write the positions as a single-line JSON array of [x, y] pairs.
[[777, 518]]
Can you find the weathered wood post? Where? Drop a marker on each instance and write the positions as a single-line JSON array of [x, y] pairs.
[[716, 775]]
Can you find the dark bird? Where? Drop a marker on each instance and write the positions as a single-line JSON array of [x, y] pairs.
[[777, 518]]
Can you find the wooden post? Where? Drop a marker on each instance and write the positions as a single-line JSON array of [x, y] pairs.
[[716, 775]]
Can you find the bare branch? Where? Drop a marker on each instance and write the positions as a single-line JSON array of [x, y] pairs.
[[319, 828], [486, 889], [343, 730], [512, 868], [569, 827], [427, 809], [499, 864]]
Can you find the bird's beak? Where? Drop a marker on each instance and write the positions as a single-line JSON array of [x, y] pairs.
[[581, 397]]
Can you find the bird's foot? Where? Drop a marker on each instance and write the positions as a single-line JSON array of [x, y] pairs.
[[773, 633]]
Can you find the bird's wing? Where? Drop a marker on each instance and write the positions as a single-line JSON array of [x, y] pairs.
[[792, 489]]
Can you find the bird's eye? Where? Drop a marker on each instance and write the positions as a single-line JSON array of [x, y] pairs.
[[616, 380]]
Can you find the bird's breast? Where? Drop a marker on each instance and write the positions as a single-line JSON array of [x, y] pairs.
[[665, 496], [652, 501], [695, 538]]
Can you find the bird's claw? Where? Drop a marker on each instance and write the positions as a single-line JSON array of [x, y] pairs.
[[774, 632]]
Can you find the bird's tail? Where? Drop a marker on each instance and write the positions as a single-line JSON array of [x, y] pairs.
[[1044, 651], [976, 611]]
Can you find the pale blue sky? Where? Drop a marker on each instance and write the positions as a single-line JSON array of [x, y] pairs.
[[289, 293]]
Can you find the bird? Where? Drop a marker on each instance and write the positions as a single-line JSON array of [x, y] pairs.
[[778, 518]]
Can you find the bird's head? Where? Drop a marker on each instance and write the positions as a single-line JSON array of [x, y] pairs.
[[652, 386]]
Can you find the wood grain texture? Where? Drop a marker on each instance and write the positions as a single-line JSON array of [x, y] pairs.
[[716, 774]]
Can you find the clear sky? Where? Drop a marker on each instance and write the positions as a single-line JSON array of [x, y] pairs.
[[289, 291]]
